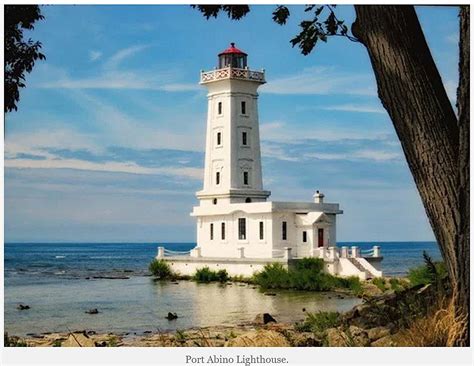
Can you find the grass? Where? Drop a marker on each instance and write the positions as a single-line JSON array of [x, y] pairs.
[[307, 274], [161, 269], [428, 273], [319, 322], [439, 328], [207, 275], [380, 283]]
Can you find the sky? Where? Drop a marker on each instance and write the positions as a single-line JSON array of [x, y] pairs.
[[108, 141]]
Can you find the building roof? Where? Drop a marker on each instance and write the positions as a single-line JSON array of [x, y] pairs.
[[232, 50]]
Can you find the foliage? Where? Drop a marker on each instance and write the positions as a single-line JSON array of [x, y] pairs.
[[307, 274], [13, 341], [320, 322], [207, 275], [161, 269], [397, 285], [112, 341], [380, 283], [438, 329], [20, 54], [322, 24], [57, 343], [429, 273], [234, 12]]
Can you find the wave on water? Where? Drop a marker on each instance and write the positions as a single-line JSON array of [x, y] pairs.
[[60, 256]]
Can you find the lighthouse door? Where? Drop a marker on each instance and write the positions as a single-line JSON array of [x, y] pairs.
[[320, 238]]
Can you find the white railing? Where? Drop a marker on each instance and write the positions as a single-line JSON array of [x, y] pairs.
[[174, 253], [232, 73], [278, 253]]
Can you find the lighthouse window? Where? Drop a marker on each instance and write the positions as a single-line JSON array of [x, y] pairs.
[[242, 108], [219, 108], [223, 231], [305, 236], [283, 230], [218, 178], [261, 230], [244, 138], [219, 139], [246, 178], [242, 229], [212, 231]]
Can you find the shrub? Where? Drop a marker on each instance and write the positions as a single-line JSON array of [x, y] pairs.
[[380, 283], [13, 341], [161, 269], [207, 275], [307, 274], [319, 322], [429, 273]]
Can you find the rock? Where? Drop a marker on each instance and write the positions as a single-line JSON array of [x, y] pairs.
[[92, 311], [23, 307], [171, 316], [259, 338], [91, 332], [305, 339], [264, 318], [386, 341], [378, 332], [359, 336], [78, 340], [336, 338], [270, 294], [100, 344]]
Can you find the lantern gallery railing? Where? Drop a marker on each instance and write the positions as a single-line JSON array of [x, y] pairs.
[[232, 73]]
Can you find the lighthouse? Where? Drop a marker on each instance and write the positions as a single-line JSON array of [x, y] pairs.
[[232, 169], [238, 228]]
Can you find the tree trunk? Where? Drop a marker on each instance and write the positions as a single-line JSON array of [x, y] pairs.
[[435, 143]]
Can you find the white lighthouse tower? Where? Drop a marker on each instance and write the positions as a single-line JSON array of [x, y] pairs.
[[233, 170], [238, 229]]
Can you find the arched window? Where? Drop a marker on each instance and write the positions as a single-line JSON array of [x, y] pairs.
[[248, 200], [214, 201]]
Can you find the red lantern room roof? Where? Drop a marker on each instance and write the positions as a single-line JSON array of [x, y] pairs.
[[232, 50]]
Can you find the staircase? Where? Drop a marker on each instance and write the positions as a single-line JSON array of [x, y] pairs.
[[359, 266]]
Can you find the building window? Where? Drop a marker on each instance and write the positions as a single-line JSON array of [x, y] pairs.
[[305, 236], [214, 201], [242, 229], [219, 139], [219, 108], [283, 230], [246, 178], [218, 178], [261, 230], [211, 232], [243, 107], [244, 138], [248, 200], [223, 231]]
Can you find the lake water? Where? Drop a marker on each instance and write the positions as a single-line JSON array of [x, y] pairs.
[[56, 280]]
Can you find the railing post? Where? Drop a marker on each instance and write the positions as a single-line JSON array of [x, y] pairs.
[[287, 253], [344, 252], [355, 252], [161, 252], [332, 253], [376, 249], [196, 252], [241, 252]]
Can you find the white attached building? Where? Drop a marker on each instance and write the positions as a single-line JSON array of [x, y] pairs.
[[238, 228]]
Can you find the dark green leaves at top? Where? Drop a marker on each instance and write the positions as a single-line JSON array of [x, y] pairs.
[[234, 12], [20, 54], [281, 14]]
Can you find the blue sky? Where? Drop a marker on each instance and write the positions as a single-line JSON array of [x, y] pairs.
[[108, 142]]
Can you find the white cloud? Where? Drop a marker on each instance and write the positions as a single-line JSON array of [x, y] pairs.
[[279, 131], [322, 80], [360, 108], [451, 87], [375, 155], [117, 167], [452, 38], [94, 55]]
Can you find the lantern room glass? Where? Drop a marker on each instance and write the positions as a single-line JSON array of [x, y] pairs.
[[236, 60]]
